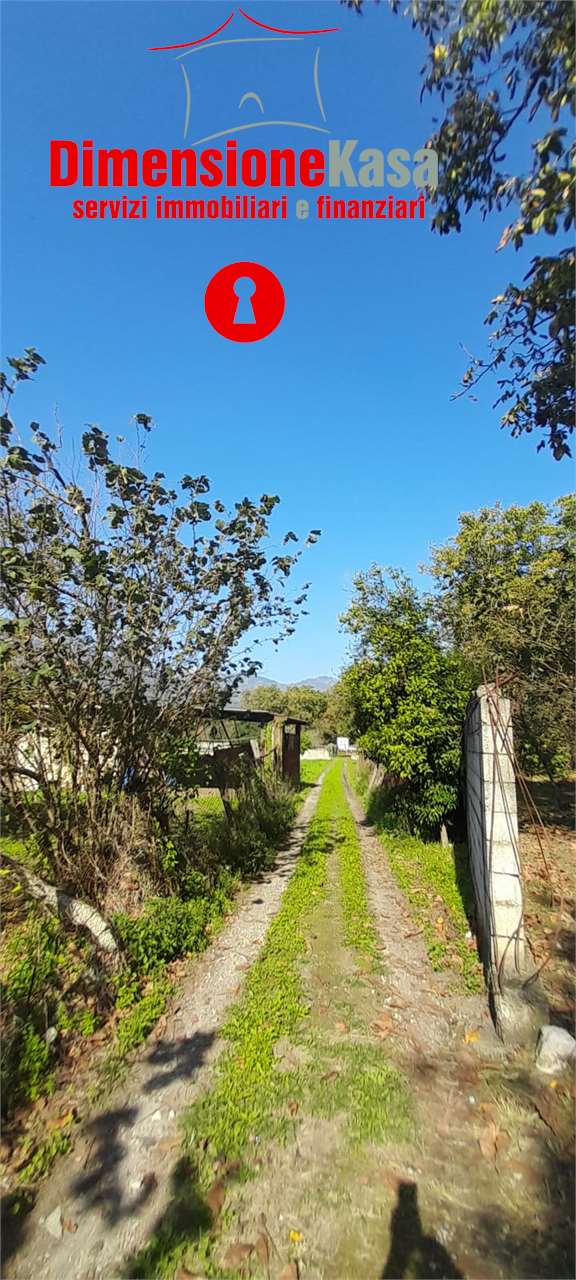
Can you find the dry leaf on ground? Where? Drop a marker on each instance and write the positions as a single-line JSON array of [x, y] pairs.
[[493, 1140], [237, 1255], [289, 1272], [383, 1025], [215, 1198], [262, 1250]]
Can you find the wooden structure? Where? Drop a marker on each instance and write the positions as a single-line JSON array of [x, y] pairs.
[[285, 747]]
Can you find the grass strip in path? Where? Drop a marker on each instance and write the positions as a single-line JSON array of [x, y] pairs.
[[245, 1100], [436, 882], [359, 931]]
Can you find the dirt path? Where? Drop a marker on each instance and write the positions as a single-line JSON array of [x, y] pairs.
[[413, 1147], [100, 1203], [363, 1121]]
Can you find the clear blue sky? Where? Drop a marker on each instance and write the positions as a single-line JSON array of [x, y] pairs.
[[345, 410]]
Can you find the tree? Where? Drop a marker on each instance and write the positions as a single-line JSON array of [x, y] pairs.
[[495, 65], [296, 700], [506, 599], [408, 696], [129, 608], [338, 718]]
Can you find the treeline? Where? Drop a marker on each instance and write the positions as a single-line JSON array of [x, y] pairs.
[[325, 713], [501, 610]]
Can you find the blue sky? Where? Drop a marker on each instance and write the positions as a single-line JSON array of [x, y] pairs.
[[345, 410]]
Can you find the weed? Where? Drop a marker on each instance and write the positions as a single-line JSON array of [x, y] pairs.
[[133, 1029], [246, 1100], [56, 1144]]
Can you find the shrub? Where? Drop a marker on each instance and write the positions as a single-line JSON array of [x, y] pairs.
[[166, 929], [29, 988]]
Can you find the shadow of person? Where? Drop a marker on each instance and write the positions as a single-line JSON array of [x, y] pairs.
[[412, 1254]]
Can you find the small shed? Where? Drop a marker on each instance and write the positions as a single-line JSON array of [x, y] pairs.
[[285, 738]]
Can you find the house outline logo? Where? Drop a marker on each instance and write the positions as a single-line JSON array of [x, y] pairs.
[[272, 35]]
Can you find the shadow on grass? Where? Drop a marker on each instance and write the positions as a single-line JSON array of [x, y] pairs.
[[186, 1218], [15, 1220]]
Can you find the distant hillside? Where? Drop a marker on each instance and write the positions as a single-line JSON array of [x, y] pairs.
[[320, 683]]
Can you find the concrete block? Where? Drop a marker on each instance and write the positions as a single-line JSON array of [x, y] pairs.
[[503, 859]]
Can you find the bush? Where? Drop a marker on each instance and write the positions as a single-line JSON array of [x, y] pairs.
[[38, 968], [167, 928]]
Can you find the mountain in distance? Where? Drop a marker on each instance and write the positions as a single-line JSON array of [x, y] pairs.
[[320, 683]]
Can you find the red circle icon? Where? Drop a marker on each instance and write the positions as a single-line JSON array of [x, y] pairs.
[[244, 302]]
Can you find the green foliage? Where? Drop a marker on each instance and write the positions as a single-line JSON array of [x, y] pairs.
[[495, 68], [126, 606], [506, 599], [143, 1016], [31, 959], [296, 700], [56, 1144], [409, 696], [168, 928], [338, 718]]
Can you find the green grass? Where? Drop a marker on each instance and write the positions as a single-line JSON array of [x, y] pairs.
[[311, 770], [247, 1103], [425, 872], [357, 1082], [246, 1100], [359, 931]]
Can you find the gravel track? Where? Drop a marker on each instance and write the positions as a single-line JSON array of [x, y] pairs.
[[101, 1202]]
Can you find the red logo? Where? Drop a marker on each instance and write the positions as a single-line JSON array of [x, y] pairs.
[[244, 302]]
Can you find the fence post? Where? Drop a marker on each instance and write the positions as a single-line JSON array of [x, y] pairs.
[[517, 1001]]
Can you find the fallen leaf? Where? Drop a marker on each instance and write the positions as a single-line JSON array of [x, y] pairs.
[[383, 1025], [341, 1026], [293, 1107], [471, 1036], [262, 1250], [492, 1140], [168, 1144], [330, 1075], [64, 1120], [289, 1272], [237, 1255], [215, 1197]]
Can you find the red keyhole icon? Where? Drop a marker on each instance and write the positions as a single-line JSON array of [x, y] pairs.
[[267, 302]]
